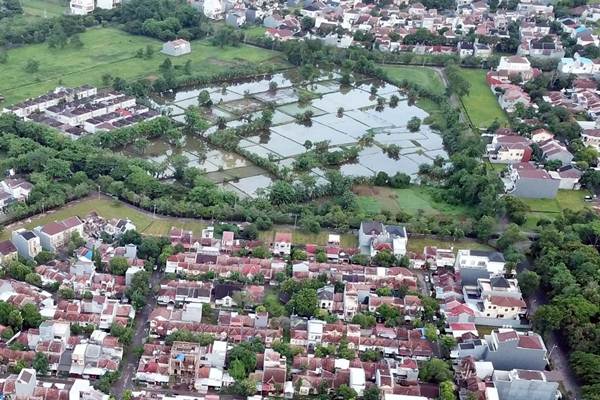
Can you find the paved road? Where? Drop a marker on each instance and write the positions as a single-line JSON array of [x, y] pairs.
[[130, 363]]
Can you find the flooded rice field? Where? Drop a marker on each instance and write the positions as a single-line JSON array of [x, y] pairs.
[[341, 115]]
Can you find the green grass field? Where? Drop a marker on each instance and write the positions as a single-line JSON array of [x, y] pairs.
[[551, 208], [146, 224], [44, 8], [481, 104], [423, 76], [411, 200], [111, 51]]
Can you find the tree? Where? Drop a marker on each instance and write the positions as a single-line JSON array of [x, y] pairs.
[[414, 124], [447, 391], [529, 282], [15, 319], [282, 192], [31, 316], [118, 265], [304, 302], [346, 392], [40, 363], [43, 257], [511, 235], [435, 371], [371, 393], [66, 293], [484, 228], [32, 66], [586, 366], [237, 370], [307, 23], [204, 99], [76, 42]]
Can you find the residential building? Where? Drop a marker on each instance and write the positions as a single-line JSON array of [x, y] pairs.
[[577, 65], [374, 237], [28, 244], [13, 190], [515, 65], [554, 150], [525, 180], [508, 349], [57, 234], [81, 7], [509, 149], [520, 384], [176, 48], [591, 137], [107, 4], [282, 244], [475, 264], [8, 252], [213, 9], [568, 176]]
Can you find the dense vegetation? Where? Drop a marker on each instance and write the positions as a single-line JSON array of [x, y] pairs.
[[568, 263]]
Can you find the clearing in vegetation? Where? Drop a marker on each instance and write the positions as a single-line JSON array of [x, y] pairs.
[[72, 66], [551, 208], [411, 200], [423, 76], [481, 105]]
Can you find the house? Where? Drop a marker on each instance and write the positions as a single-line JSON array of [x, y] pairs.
[[508, 349], [107, 4], [81, 7], [577, 65], [236, 18], [522, 384], [568, 176], [176, 48], [130, 273], [213, 9], [465, 49], [57, 234], [13, 190], [8, 252], [374, 237], [591, 137], [458, 329], [511, 96], [282, 244], [541, 135], [279, 34], [27, 243], [495, 297], [554, 150], [509, 149], [515, 66], [525, 180], [475, 264], [223, 294]]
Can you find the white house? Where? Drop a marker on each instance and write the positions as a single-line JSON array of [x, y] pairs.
[[577, 65], [81, 7], [27, 243], [176, 47], [373, 237], [475, 264], [213, 9], [56, 234], [107, 4], [282, 244], [515, 65]]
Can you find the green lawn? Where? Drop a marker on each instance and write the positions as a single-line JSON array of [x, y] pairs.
[[551, 208], [423, 76], [410, 200], [298, 237], [44, 8], [111, 51], [159, 226], [481, 104]]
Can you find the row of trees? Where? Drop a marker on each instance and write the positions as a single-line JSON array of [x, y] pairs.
[[567, 264]]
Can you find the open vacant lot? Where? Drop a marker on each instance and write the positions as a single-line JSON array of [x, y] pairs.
[[111, 51], [412, 200], [481, 104], [423, 76], [44, 8], [551, 208], [149, 225]]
